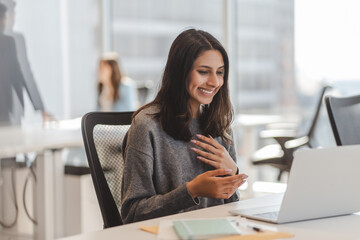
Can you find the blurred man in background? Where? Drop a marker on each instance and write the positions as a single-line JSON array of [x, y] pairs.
[[15, 72]]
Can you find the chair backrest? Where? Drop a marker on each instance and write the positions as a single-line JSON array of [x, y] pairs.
[[344, 115], [317, 113], [103, 134]]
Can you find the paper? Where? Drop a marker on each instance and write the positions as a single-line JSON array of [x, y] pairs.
[[166, 231], [259, 236], [150, 229]]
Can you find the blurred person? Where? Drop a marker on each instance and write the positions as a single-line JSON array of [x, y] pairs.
[[179, 153], [15, 72], [116, 92]]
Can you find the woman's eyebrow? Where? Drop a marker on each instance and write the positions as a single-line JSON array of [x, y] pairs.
[[205, 66]]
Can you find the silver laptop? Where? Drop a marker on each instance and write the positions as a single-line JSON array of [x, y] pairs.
[[322, 183]]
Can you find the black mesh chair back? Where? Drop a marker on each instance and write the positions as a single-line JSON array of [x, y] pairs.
[[344, 115], [281, 154], [103, 134]]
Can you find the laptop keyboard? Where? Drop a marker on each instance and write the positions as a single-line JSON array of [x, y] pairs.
[[268, 215]]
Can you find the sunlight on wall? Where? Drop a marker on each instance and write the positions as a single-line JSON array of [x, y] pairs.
[[327, 37]]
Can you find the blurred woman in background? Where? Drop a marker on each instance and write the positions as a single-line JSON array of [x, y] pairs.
[[116, 92]]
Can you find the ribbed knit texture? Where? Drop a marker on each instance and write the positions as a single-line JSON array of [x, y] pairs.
[[157, 168]]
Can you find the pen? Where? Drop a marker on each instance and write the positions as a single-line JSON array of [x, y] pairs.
[[256, 229]]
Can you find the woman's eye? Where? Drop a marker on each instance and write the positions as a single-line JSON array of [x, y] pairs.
[[220, 73], [202, 72]]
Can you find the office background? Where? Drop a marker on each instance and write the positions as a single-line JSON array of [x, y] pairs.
[[281, 51]]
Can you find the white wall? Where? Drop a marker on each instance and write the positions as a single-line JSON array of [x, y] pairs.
[[63, 46]]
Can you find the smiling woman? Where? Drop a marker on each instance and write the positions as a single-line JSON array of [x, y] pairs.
[[205, 80], [180, 143]]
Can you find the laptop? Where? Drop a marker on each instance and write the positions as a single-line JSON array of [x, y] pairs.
[[322, 183]]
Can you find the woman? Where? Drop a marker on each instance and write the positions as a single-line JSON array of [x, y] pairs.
[[115, 91], [180, 143]]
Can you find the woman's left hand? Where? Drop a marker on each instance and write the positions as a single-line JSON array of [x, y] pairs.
[[216, 155]]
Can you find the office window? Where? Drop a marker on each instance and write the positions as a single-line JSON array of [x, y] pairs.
[[264, 55], [142, 33], [64, 44]]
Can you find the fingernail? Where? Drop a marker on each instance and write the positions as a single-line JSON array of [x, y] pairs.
[[245, 176], [228, 170], [199, 135], [194, 149], [193, 141], [210, 136]]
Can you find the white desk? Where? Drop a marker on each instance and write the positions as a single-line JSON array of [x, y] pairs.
[[344, 227], [50, 169]]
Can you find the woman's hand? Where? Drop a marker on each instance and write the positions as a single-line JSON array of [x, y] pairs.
[[216, 155], [209, 184]]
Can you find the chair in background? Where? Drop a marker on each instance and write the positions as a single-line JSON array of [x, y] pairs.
[[280, 155], [344, 115], [103, 134]]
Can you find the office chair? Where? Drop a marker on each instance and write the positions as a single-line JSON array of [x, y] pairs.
[[103, 134], [344, 115], [280, 155]]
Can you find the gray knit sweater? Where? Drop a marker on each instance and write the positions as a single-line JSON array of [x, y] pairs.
[[157, 168]]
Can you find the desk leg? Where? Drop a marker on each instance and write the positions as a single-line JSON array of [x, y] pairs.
[[45, 197], [59, 193]]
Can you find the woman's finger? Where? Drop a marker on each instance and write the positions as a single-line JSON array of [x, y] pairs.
[[207, 155], [209, 140], [231, 180], [210, 162], [218, 172], [203, 145]]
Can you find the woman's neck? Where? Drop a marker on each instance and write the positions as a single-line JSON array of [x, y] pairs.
[[195, 113], [108, 91], [194, 108]]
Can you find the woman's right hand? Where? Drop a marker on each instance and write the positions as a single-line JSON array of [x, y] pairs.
[[209, 184]]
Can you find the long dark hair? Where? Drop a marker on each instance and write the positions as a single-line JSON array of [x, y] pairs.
[[115, 78], [173, 97]]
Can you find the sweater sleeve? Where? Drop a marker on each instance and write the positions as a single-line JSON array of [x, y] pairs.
[[232, 152], [140, 199]]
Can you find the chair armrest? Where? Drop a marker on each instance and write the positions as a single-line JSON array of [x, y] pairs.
[[297, 142], [282, 125], [273, 133]]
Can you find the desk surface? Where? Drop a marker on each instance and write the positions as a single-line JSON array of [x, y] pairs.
[[15, 140], [343, 227], [49, 167]]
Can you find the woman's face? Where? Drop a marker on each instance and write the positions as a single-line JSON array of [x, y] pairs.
[[104, 73], [205, 79]]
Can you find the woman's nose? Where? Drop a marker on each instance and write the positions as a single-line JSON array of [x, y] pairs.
[[213, 80]]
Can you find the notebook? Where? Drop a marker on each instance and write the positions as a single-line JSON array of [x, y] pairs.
[[205, 228], [321, 184]]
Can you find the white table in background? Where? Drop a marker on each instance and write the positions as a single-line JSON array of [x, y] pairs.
[[249, 124], [47, 143], [335, 228]]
